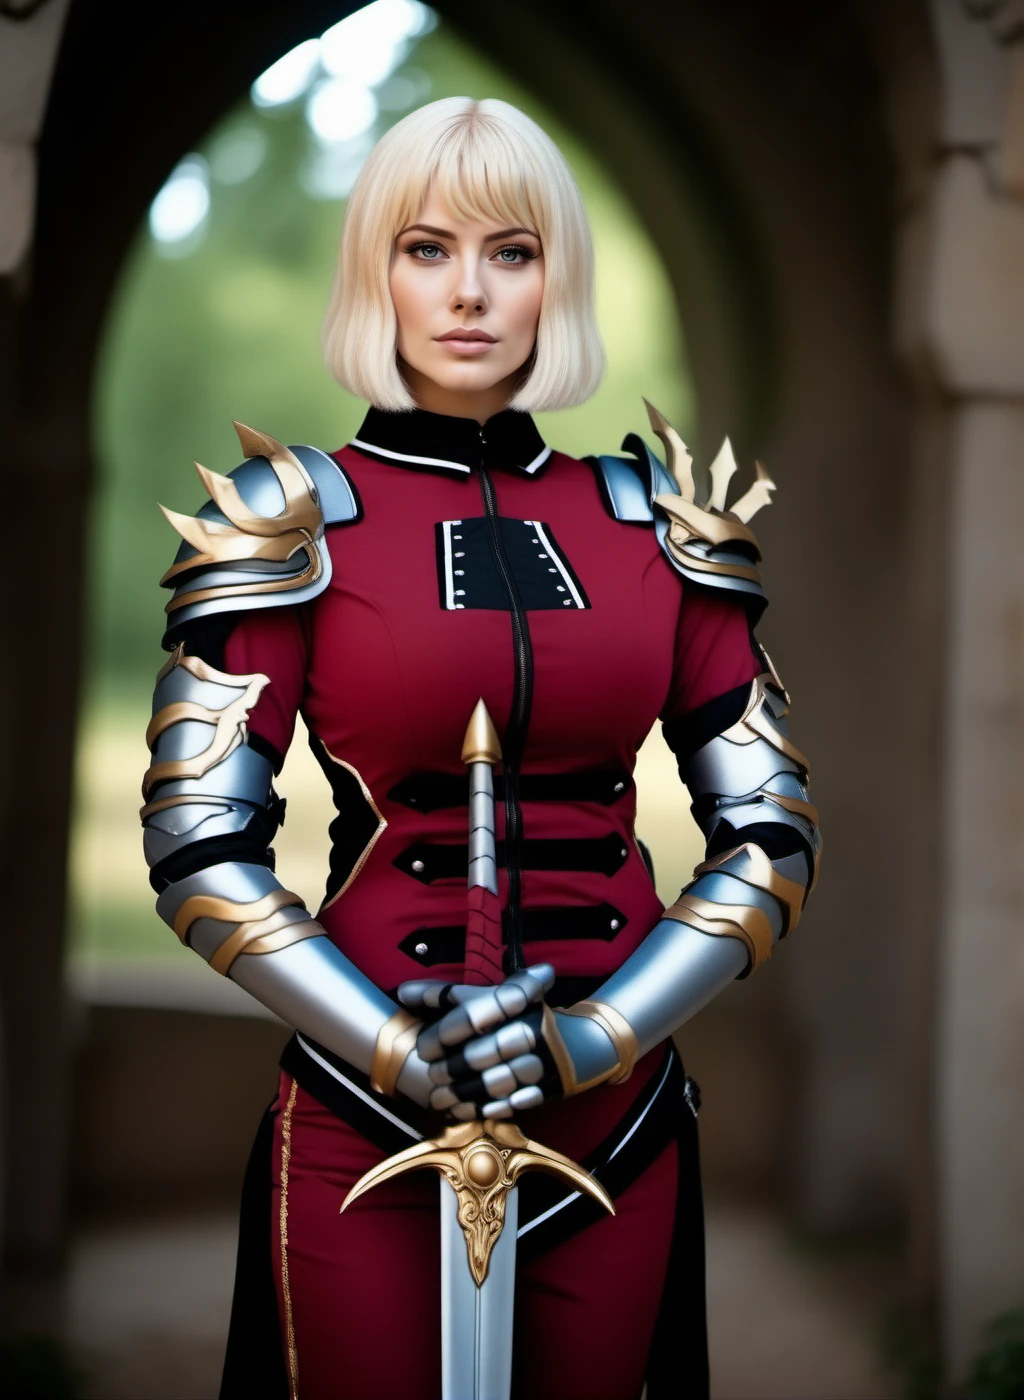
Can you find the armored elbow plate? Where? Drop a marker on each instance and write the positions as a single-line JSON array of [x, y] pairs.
[[710, 544], [259, 541]]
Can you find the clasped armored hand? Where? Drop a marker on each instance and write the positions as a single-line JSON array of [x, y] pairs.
[[494, 1051]]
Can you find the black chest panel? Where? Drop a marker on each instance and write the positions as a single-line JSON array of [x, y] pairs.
[[468, 575]]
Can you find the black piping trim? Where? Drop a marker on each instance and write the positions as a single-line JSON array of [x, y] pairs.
[[428, 792], [582, 923], [602, 856]]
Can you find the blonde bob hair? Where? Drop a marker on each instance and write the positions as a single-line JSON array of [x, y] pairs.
[[486, 160]]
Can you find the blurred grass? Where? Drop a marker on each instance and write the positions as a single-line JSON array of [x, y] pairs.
[[229, 328]]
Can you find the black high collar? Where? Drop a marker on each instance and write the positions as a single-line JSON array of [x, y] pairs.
[[419, 439]]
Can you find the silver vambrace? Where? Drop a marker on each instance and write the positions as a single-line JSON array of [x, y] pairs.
[[749, 790], [209, 818]]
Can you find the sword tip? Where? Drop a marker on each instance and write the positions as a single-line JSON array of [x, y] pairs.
[[481, 744]]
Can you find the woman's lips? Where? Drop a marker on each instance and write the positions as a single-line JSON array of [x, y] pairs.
[[467, 347], [466, 342]]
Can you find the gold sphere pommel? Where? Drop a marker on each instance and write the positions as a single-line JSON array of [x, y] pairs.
[[481, 1162]]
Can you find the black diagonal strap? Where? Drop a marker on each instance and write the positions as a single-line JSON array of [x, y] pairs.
[[447, 943], [427, 792], [602, 855], [549, 1213]]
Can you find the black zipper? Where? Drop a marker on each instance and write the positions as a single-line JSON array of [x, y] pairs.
[[518, 723]]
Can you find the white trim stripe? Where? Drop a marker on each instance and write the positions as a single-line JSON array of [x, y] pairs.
[[538, 461], [449, 580], [568, 1200], [407, 457], [343, 1079], [567, 577]]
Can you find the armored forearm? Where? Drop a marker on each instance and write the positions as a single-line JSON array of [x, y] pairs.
[[749, 789]]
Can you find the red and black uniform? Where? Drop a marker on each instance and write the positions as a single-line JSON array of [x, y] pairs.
[[482, 564]]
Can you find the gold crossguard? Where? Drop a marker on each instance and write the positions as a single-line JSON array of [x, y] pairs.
[[482, 1162]]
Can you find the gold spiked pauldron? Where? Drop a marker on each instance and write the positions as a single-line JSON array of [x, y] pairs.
[[249, 537], [696, 532]]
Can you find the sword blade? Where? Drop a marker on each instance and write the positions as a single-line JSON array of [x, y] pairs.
[[476, 1322]]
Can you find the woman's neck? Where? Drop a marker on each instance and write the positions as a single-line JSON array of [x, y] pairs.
[[478, 404]]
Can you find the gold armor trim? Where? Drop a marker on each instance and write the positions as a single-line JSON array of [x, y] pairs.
[[481, 1162], [249, 536], [212, 906], [382, 822], [763, 876], [753, 724], [711, 522], [743, 921], [560, 1054], [619, 1032], [395, 1039], [262, 936], [229, 723]]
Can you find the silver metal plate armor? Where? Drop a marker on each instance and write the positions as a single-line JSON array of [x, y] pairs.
[[259, 541], [210, 808]]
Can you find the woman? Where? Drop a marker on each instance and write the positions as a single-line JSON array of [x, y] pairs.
[[447, 554]]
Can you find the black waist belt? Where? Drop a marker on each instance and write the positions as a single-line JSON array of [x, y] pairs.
[[548, 1213]]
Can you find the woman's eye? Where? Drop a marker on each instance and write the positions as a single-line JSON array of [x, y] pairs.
[[514, 253], [427, 252]]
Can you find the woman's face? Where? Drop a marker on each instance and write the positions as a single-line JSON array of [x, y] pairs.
[[467, 296]]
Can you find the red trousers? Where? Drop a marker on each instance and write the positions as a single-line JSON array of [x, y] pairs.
[[358, 1293]]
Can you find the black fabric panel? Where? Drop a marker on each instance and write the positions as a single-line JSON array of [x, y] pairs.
[[776, 839], [692, 731], [352, 829], [203, 636], [678, 1360], [476, 580], [272, 754], [604, 856], [447, 943], [248, 846], [254, 1364], [428, 792]]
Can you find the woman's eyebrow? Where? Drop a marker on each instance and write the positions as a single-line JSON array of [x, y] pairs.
[[447, 233]]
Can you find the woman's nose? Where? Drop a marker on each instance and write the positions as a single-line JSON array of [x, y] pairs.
[[468, 293]]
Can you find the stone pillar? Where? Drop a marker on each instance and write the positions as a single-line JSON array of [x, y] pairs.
[[963, 332], [33, 1093]]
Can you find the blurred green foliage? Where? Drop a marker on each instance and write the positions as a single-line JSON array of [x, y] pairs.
[[997, 1372], [228, 327]]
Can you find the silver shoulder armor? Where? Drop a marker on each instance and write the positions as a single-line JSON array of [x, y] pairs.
[[708, 544], [258, 542]]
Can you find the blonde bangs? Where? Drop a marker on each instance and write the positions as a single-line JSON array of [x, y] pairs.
[[486, 160]]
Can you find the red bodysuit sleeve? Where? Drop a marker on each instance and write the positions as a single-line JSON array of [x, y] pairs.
[[714, 651], [273, 641]]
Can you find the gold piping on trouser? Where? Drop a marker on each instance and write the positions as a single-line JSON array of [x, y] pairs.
[[743, 921], [289, 1320], [262, 936], [212, 906], [762, 876], [364, 854]]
